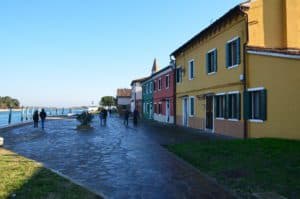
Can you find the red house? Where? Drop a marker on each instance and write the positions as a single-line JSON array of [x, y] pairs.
[[164, 95]]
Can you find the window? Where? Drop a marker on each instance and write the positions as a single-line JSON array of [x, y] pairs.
[[159, 84], [151, 87], [233, 53], [155, 108], [154, 85], [233, 106], [191, 69], [159, 108], [167, 81], [147, 89], [220, 106], [192, 106], [178, 75], [255, 104], [211, 61]]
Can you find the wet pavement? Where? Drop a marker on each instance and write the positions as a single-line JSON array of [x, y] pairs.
[[116, 161]]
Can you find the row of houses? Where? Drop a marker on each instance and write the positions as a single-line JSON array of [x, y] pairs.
[[239, 77]]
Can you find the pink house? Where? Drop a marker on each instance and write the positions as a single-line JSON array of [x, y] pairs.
[[164, 95]]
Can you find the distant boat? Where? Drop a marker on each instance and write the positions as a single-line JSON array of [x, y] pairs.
[[92, 109]]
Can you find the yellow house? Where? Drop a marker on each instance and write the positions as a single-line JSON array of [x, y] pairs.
[[241, 75]]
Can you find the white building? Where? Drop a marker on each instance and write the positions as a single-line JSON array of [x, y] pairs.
[[136, 95]]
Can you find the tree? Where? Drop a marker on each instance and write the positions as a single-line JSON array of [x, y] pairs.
[[107, 101], [8, 102]]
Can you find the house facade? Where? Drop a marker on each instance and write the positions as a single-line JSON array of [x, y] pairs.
[[239, 76], [123, 99], [163, 95], [147, 93], [136, 95], [147, 98]]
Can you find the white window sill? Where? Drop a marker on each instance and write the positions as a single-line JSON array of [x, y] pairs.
[[220, 118], [191, 79], [212, 73], [234, 66], [256, 121], [233, 120], [191, 115]]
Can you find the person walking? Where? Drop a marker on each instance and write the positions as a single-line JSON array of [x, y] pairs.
[[126, 117], [104, 116], [136, 116], [43, 116], [35, 118], [101, 116]]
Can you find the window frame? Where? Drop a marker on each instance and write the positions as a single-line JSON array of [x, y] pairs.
[[231, 41], [190, 71], [233, 116], [159, 84], [251, 91], [214, 54], [223, 106], [178, 75], [190, 107], [167, 81]]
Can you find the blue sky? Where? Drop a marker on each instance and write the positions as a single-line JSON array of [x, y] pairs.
[[73, 52]]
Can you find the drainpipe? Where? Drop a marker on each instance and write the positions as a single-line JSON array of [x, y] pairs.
[[173, 62], [245, 73]]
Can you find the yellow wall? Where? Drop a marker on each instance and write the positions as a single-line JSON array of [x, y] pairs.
[[292, 23], [274, 23], [224, 76], [198, 53], [281, 78], [224, 80]]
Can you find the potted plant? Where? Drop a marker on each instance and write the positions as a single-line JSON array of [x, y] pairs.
[[85, 119]]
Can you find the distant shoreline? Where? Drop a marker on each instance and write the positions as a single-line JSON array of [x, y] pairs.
[[6, 110]]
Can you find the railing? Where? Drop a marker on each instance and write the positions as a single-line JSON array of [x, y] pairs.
[[15, 116]]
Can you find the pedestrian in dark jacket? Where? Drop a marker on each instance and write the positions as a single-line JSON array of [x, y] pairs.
[[35, 118], [136, 116], [43, 116], [104, 115], [126, 117]]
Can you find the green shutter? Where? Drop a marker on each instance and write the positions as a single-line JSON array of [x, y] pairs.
[[230, 114], [238, 108], [247, 105], [238, 51], [216, 60], [263, 105], [227, 55], [207, 63], [226, 115]]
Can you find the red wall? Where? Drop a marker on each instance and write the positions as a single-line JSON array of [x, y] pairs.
[[164, 93]]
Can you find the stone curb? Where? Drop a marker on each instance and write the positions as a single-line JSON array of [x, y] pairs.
[[98, 193]]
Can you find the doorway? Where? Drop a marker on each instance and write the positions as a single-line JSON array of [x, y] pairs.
[[209, 113], [167, 110], [185, 111]]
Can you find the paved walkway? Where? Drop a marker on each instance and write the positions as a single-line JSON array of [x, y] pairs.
[[115, 161]]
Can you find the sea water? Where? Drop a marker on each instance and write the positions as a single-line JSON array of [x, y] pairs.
[[16, 116]]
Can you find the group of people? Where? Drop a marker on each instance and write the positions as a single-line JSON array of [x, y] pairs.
[[135, 114], [103, 116], [36, 117], [104, 113]]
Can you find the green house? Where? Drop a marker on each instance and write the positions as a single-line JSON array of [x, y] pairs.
[[147, 94], [147, 99]]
